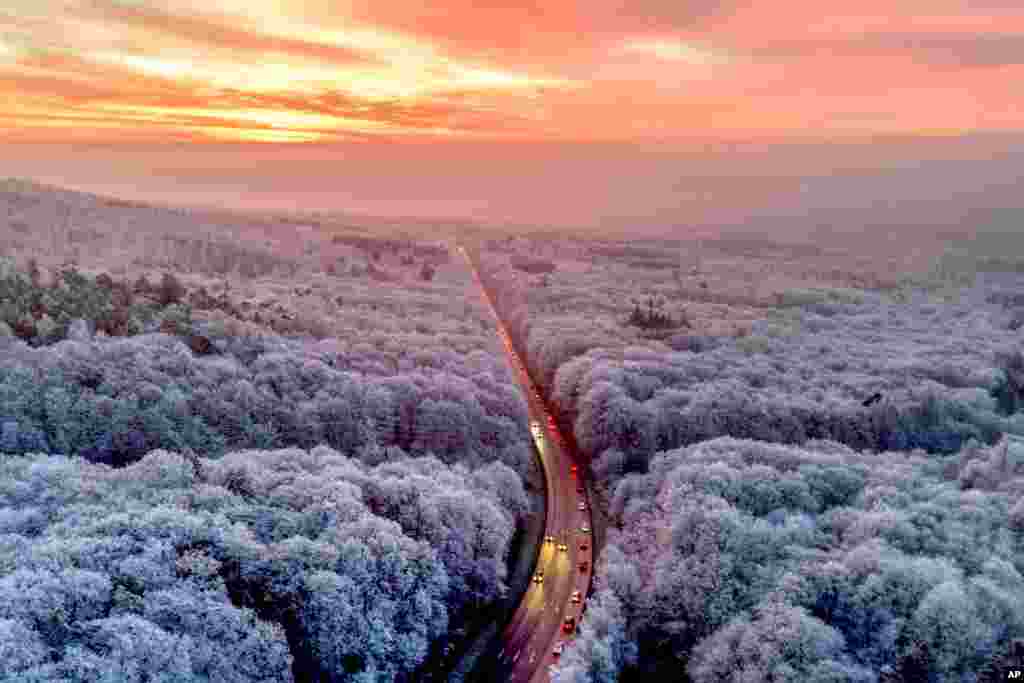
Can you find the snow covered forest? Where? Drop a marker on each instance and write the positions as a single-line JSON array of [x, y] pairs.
[[743, 560], [112, 400], [236, 448], [309, 473], [810, 468], [250, 567]]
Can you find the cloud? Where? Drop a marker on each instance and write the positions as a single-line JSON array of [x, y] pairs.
[[533, 29], [673, 51], [57, 90], [218, 76], [570, 69], [948, 49], [679, 15], [219, 33]]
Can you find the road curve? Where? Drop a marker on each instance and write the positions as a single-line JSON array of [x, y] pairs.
[[535, 629]]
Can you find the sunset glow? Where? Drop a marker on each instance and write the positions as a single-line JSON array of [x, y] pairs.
[[310, 71], [673, 50]]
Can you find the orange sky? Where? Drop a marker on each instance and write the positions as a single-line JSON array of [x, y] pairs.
[[527, 70]]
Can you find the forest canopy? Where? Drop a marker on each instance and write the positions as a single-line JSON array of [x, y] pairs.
[[113, 400], [772, 562], [250, 567]]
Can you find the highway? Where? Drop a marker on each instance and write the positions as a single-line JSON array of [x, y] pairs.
[[536, 627]]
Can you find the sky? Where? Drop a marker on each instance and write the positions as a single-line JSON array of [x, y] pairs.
[[466, 106]]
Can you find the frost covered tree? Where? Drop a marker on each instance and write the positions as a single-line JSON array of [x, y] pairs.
[[112, 401], [256, 566], [753, 560], [778, 642]]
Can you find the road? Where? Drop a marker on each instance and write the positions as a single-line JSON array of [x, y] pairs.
[[536, 626]]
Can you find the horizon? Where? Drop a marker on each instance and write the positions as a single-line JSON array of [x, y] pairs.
[[786, 189], [551, 114]]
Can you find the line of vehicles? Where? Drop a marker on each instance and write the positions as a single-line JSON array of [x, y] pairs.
[[562, 546], [570, 622]]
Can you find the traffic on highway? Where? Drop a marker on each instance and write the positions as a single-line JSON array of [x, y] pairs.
[[553, 607]]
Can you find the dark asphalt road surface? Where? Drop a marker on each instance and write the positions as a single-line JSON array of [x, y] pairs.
[[536, 626]]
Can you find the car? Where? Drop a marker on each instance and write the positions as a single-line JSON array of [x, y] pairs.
[[563, 547], [549, 539], [577, 597], [582, 506], [557, 651], [573, 469], [569, 625], [584, 546], [585, 529], [584, 566], [538, 577]]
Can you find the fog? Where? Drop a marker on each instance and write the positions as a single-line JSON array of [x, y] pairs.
[[786, 188]]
